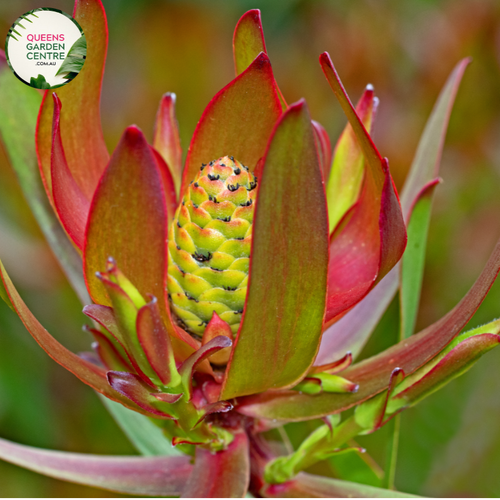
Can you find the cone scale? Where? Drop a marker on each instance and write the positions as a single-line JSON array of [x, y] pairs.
[[209, 246]]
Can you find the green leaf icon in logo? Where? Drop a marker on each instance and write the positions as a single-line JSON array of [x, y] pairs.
[[75, 59]]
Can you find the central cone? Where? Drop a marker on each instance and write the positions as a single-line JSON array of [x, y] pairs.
[[209, 246]]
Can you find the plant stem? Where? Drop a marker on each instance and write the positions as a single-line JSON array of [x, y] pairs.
[[392, 453]]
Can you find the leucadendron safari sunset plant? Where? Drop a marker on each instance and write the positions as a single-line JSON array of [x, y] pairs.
[[229, 294]]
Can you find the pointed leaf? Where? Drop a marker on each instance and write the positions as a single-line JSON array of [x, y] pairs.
[[215, 328], [109, 353], [167, 397], [128, 221], [287, 282], [132, 387], [346, 176], [81, 131], [126, 315], [166, 137], [373, 374], [238, 120], [71, 204], [165, 476], [308, 485], [189, 366], [87, 372], [352, 331], [417, 198], [486, 335], [104, 316], [18, 113], [361, 257], [224, 474], [425, 165], [333, 367], [248, 40], [217, 407], [155, 342], [412, 264], [455, 363], [370, 414]]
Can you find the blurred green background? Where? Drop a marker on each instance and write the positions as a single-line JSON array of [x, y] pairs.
[[406, 48]]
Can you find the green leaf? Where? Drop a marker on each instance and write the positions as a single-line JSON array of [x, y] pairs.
[[324, 442], [248, 40], [79, 48], [425, 165], [416, 199], [75, 59], [286, 313], [412, 264], [19, 106], [39, 82], [158, 476]]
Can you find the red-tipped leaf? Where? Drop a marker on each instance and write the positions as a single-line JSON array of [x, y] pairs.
[[224, 474], [155, 342], [352, 331], [287, 282], [128, 221], [87, 372], [71, 204], [456, 362], [238, 120], [373, 374], [346, 175], [109, 352], [143, 476], [132, 387], [81, 131], [166, 138], [360, 258], [215, 328], [248, 40], [189, 366], [333, 367]]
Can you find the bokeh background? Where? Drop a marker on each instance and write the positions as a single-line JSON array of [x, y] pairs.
[[406, 48]]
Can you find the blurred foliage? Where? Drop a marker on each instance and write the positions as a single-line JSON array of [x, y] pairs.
[[449, 443]]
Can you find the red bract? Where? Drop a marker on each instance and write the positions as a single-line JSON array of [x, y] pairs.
[[305, 273]]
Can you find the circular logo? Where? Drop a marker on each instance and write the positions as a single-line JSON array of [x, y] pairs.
[[46, 48]]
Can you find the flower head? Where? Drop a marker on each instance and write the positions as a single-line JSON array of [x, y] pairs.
[[213, 283]]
